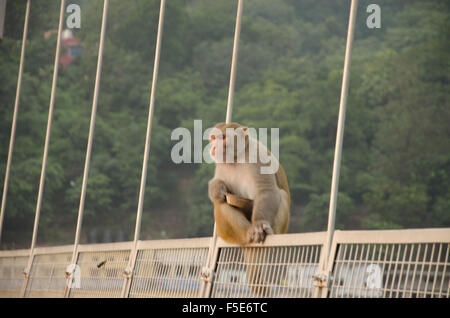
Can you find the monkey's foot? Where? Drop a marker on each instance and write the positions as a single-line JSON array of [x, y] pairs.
[[258, 231]]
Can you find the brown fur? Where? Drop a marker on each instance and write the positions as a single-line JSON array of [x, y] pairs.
[[271, 205]]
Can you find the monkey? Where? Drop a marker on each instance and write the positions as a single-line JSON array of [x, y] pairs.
[[269, 192], [269, 209]]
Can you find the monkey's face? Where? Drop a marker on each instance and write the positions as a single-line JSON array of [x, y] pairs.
[[228, 143]]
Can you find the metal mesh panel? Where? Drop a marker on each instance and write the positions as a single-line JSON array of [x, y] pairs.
[[47, 275], [281, 271], [171, 272], [389, 263], [392, 270], [101, 274], [11, 275]]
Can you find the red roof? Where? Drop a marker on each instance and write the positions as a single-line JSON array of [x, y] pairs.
[[70, 41]]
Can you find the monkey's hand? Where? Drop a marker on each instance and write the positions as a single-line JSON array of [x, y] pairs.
[[258, 231], [217, 190]]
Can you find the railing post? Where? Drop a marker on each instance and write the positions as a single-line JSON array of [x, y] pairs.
[[46, 146], [323, 279], [323, 276], [27, 272], [208, 269], [129, 270], [74, 260], [90, 139], [14, 121]]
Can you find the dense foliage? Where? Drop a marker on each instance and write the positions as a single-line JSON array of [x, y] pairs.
[[396, 158]]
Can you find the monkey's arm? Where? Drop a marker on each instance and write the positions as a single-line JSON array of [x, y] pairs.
[[271, 206], [265, 209], [217, 190]]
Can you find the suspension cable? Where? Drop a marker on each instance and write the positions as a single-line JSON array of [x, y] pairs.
[[148, 136], [237, 33], [91, 133], [149, 122], [207, 271], [339, 142], [46, 145]]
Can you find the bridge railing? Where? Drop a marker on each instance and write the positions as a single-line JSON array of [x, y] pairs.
[[387, 263], [392, 264]]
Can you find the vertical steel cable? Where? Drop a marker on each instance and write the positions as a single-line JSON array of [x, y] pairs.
[[339, 136], [148, 136], [237, 33], [14, 121], [47, 142], [149, 122], [91, 132], [205, 290]]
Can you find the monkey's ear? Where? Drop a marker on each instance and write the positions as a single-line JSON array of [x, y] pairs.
[[245, 130], [215, 133]]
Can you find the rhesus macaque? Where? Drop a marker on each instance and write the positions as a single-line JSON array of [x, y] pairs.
[[263, 198], [242, 177]]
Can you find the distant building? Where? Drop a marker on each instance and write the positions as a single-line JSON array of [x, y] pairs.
[[71, 48], [70, 45]]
